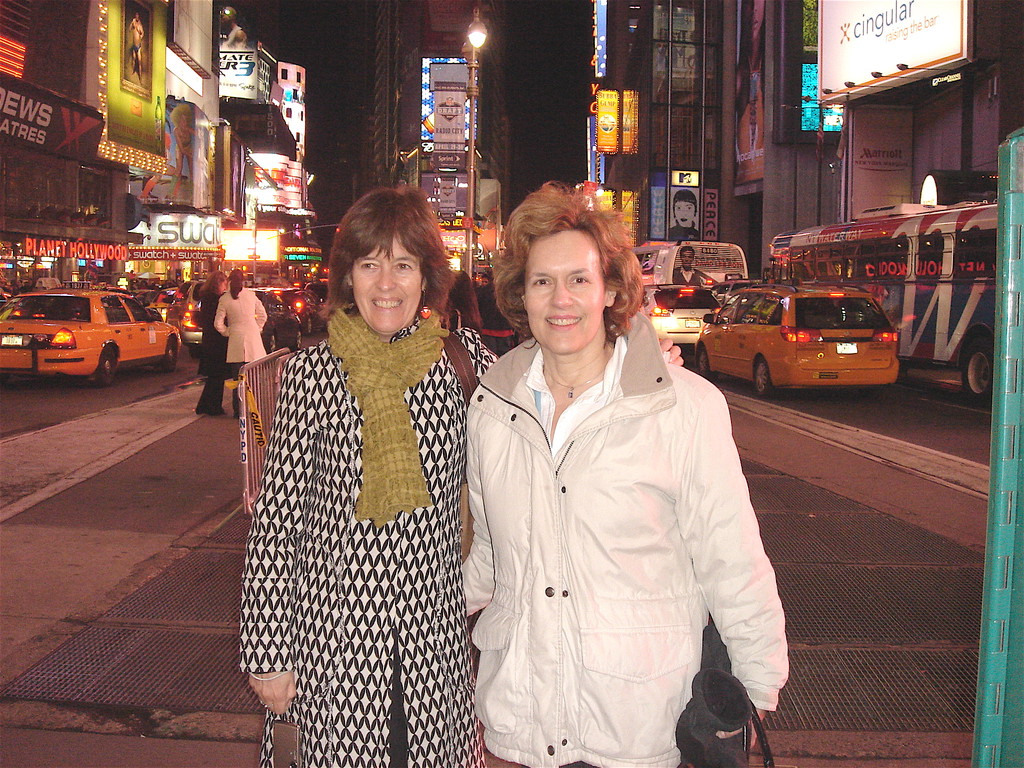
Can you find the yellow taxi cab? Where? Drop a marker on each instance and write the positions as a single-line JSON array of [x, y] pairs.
[[806, 336], [87, 333]]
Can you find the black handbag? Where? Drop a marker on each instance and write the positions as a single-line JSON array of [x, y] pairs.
[[719, 703]]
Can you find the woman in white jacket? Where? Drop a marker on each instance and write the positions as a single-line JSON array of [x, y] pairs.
[[611, 515], [241, 317]]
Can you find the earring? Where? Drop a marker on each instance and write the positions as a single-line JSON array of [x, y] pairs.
[[425, 312]]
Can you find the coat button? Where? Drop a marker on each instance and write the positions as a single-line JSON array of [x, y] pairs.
[[513, 417], [565, 593], [550, 591], [659, 379], [479, 398], [551, 749], [563, 489], [564, 742]]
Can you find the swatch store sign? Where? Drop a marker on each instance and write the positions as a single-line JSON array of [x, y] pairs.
[[179, 237]]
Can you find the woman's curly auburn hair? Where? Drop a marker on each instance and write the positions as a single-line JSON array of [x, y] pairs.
[[373, 223], [556, 208]]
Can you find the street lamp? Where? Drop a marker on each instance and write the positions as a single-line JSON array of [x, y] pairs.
[[476, 35]]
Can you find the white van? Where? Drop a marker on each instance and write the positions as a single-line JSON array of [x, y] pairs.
[[708, 262]]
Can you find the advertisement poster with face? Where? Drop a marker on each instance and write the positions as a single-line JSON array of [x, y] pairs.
[[684, 223], [750, 92], [187, 146], [136, 71]]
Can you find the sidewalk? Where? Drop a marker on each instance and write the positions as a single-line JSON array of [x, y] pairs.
[[879, 585]]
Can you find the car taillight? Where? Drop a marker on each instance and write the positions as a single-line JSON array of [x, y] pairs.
[[885, 336], [63, 339], [799, 335], [299, 305], [188, 320], [660, 312]]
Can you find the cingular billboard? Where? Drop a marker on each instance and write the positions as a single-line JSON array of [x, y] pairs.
[[900, 40]]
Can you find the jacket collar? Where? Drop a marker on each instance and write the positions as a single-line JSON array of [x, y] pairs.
[[644, 371]]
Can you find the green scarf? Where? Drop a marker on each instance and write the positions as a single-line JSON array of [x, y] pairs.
[[379, 373]]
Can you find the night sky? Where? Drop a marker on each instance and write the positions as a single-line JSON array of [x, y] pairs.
[[548, 52]]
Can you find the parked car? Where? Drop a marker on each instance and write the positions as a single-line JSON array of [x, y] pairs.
[[786, 336], [306, 305], [677, 311], [86, 333], [283, 327], [183, 314]]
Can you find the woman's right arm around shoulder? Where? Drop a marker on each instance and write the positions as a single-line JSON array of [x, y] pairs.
[[276, 535], [222, 311]]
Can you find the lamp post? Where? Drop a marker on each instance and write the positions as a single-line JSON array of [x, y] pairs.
[[476, 36]]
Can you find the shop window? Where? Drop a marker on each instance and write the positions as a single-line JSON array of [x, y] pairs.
[[93, 197], [685, 61]]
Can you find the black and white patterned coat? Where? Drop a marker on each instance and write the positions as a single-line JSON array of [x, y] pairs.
[[326, 595]]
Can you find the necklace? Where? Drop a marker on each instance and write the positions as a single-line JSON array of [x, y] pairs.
[[572, 387]]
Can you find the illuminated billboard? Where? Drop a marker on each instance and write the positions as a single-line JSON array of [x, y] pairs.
[[608, 121], [136, 72], [238, 244], [286, 191], [869, 45]]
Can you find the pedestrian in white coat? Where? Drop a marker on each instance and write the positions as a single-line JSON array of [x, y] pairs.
[[611, 515], [241, 317]]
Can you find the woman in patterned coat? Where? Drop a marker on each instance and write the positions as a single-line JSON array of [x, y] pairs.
[[353, 618]]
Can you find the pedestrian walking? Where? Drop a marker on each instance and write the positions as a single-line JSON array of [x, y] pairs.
[[496, 331], [241, 317], [214, 349], [610, 512], [353, 621]]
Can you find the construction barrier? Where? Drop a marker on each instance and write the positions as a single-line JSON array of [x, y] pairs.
[[258, 384]]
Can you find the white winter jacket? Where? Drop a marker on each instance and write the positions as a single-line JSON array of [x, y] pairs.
[[598, 566], [242, 321]]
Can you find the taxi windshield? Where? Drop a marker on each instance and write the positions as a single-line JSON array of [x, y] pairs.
[[50, 307]]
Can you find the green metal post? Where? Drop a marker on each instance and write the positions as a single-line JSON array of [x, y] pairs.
[[999, 710]]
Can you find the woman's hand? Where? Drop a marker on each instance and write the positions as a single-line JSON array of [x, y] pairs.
[[276, 694], [753, 736], [673, 356]]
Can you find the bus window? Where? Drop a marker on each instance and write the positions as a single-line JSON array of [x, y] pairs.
[[800, 267], [929, 255], [891, 257], [974, 254]]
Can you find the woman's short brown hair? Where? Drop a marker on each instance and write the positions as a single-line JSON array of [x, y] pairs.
[[373, 223], [552, 209]]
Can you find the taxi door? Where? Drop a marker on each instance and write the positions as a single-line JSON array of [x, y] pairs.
[[126, 331], [723, 347], [757, 332], [150, 343]]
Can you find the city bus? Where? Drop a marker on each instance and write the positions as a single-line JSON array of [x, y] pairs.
[[714, 262], [932, 268]]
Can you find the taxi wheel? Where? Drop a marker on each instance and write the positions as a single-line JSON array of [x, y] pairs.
[[103, 376], [704, 364], [169, 362], [762, 378]]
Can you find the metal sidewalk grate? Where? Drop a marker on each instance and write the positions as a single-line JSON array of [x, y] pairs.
[[204, 588], [782, 493], [853, 604], [231, 535], [860, 689], [120, 666], [857, 537], [753, 468]]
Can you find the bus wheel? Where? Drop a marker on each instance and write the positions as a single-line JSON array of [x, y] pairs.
[[976, 369], [762, 378]]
